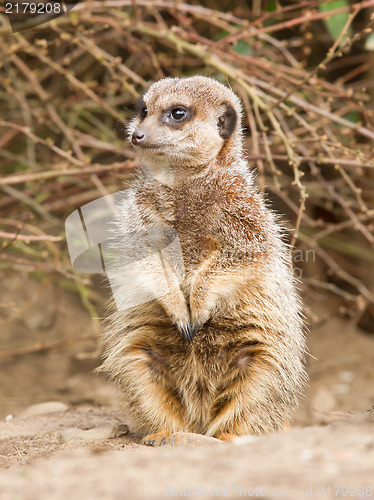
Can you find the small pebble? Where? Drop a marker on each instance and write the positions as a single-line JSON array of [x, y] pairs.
[[95, 434], [9, 417], [43, 409]]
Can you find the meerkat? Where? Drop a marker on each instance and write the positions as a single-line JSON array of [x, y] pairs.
[[220, 349]]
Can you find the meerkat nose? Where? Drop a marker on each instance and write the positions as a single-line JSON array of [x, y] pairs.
[[137, 137]]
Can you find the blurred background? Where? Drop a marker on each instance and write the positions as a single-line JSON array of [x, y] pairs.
[[305, 74]]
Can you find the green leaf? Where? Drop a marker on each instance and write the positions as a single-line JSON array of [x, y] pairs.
[[336, 22], [243, 48], [352, 116], [272, 5]]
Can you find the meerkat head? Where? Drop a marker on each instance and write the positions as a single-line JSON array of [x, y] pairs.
[[185, 123]]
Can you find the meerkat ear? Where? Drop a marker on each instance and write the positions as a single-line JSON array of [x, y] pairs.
[[227, 122]]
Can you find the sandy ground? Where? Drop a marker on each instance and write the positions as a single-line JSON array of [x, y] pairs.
[[317, 461], [80, 447]]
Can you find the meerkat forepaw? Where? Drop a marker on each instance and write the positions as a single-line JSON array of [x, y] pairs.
[[198, 318], [176, 308], [200, 308]]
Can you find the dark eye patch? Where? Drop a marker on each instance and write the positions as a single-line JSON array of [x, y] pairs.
[[141, 108], [175, 116]]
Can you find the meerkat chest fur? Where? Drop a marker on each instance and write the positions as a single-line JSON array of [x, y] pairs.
[[217, 347], [217, 210]]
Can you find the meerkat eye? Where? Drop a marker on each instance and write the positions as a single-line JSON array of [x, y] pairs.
[[178, 113], [143, 112], [176, 116]]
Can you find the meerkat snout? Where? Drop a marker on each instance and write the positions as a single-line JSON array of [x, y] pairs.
[[137, 137]]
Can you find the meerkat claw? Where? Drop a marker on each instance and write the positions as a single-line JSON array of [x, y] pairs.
[[194, 328], [187, 332], [149, 442]]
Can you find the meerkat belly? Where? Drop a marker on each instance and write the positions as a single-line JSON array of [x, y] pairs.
[[192, 377]]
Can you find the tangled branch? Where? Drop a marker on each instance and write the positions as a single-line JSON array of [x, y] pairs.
[[66, 88]]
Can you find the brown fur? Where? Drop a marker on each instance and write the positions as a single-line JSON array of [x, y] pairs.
[[243, 371]]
